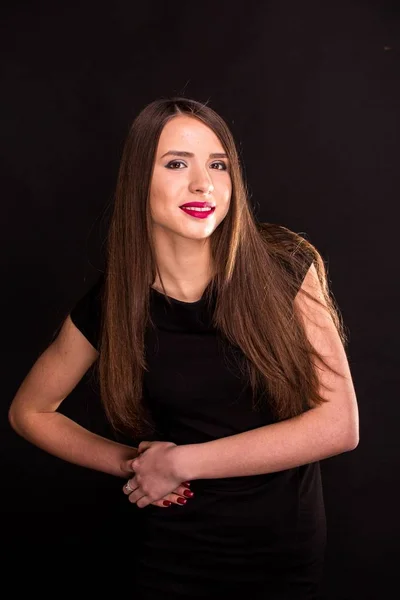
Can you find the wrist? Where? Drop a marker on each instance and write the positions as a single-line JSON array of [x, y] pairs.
[[184, 462], [129, 454]]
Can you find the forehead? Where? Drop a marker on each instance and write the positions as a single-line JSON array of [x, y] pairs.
[[187, 133]]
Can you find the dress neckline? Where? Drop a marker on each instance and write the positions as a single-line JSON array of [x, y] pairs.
[[175, 301]]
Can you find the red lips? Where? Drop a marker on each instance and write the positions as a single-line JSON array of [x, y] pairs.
[[198, 214], [199, 204]]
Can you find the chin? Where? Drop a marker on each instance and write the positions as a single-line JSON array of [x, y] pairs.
[[197, 236]]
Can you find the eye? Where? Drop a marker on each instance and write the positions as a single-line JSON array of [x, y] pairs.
[[174, 162], [222, 164], [172, 165]]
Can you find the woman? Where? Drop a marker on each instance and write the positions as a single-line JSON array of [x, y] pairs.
[[217, 343]]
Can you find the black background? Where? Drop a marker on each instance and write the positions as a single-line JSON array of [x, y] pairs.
[[311, 92]]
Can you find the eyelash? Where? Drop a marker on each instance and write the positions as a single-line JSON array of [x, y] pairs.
[[181, 161]]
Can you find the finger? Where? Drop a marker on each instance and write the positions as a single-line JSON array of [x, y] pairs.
[[183, 491], [136, 496], [142, 502], [171, 499], [144, 446], [130, 486], [127, 466], [162, 503]]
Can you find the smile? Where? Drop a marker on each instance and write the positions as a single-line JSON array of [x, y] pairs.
[[198, 213]]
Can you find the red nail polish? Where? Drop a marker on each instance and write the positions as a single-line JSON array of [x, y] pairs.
[[186, 483], [167, 503], [188, 493], [181, 500]]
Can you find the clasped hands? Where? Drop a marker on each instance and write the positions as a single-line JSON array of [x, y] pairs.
[[156, 480]]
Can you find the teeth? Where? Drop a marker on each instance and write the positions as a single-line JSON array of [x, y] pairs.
[[196, 209]]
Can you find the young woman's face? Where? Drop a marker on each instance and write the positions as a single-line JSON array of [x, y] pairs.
[[195, 177]]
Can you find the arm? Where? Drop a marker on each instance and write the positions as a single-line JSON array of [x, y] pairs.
[[329, 429], [51, 379]]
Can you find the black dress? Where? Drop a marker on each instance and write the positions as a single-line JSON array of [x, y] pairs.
[[263, 535]]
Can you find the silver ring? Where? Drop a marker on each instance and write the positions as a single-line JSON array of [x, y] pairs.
[[128, 487]]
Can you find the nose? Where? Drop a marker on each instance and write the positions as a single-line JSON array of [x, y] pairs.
[[201, 184]]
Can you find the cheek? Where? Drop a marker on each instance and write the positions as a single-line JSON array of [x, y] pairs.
[[164, 200], [157, 197], [163, 189], [226, 195]]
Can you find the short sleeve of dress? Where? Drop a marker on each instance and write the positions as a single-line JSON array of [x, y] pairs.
[[298, 255], [86, 313], [307, 261], [305, 258]]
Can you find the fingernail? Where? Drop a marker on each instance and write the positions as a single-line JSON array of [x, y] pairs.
[[188, 493], [181, 500], [186, 483], [167, 503]]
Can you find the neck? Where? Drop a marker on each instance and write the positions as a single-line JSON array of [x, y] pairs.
[[185, 267]]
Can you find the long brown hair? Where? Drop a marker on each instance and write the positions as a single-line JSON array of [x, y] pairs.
[[258, 268]]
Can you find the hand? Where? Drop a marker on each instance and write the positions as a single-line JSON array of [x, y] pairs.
[[178, 496], [155, 475]]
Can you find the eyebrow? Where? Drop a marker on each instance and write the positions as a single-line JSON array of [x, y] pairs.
[[190, 154]]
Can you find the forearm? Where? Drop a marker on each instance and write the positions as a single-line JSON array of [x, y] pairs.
[[284, 445], [58, 435]]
